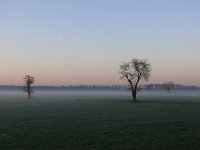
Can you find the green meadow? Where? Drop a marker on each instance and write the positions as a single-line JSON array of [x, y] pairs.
[[101, 121]]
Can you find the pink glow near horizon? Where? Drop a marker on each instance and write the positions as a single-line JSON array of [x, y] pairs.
[[84, 42], [70, 77]]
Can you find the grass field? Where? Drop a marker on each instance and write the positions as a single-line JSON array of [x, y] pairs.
[[99, 122]]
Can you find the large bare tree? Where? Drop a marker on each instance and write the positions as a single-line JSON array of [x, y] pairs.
[[133, 72], [29, 80]]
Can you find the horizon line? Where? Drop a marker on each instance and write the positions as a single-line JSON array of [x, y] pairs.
[[95, 85]]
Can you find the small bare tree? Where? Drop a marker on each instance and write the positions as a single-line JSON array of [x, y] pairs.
[[133, 72], [29, 80], [169, 85]]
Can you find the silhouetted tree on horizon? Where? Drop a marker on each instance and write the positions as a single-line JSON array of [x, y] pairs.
[[133, 72], [29, 80], [169, 85]]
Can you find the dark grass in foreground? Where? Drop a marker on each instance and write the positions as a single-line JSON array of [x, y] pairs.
[[90, 123]]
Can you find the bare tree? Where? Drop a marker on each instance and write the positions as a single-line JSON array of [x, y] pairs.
[[29, 80], [169, 85], [133, 72]]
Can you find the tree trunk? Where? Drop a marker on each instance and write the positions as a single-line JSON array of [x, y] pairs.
[[168, 89], [134, 97], [134, 93], [29, 95], [29, 92], [134, 89]]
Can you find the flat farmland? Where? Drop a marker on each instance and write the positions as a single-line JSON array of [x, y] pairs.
[[99, 120]]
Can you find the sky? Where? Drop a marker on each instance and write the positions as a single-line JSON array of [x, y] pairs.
[[62, 42]]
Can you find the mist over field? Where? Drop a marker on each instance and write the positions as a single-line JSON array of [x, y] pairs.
[[102, 95], [96, 120]]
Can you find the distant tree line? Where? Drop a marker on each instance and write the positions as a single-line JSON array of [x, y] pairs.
[[71, 88], [175, 87], [147, 87]]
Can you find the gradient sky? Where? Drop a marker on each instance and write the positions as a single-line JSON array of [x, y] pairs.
[[63, 42]]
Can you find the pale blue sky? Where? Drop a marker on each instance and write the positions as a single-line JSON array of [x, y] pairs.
[[84, 42]]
